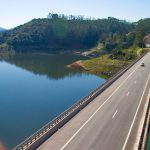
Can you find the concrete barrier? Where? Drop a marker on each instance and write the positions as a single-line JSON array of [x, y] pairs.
[[49, 129]]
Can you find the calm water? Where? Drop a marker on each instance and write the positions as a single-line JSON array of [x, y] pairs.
[[35, 88]]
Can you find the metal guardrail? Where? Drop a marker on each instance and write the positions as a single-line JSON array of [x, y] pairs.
[[49, 129]]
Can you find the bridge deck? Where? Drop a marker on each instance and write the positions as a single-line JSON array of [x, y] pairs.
[[107, 121]]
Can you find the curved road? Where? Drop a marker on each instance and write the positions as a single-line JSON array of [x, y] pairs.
[[111, 121]]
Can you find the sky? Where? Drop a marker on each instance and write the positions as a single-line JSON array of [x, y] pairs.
[[16, 12]]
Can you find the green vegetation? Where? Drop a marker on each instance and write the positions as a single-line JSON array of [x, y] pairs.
[[104, 65], [107, 65], [121, 50], [60, 32], [64, 33], [118, 40], [96, 50]]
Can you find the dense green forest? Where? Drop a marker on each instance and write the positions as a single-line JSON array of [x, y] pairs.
[[76, 33], [59, 31]]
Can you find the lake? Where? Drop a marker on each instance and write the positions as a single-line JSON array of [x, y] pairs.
[[35, 88]]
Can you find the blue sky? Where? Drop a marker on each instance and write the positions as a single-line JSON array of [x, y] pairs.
[[16, 12]]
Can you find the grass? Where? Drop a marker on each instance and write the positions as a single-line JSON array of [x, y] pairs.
[[104, 66], [96, 49]]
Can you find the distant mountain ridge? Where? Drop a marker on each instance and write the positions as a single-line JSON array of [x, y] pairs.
[[2, 29]]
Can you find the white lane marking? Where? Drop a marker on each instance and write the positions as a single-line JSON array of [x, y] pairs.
[[128, 93], [99, 108], [134, 82], [115, 114], [124, 146], [62, 148]]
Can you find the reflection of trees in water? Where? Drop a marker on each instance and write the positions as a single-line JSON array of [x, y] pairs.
[[5, 55], [52, 65]]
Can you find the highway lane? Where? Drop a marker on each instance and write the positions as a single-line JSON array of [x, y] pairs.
[[109, 121]]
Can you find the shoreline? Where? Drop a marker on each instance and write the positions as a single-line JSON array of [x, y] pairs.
[[77, 65], [103, 67]]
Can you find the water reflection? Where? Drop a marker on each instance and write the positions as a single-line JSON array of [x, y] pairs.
[[51, 65], [35, 88]]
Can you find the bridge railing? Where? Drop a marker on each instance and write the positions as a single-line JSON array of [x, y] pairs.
[[49, 129]]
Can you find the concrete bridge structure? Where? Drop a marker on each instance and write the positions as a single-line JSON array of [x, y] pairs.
[[111, 120]]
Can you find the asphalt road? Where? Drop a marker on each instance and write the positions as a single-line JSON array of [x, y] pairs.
[[111, 121]]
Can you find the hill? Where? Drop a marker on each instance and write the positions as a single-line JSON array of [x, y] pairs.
[[2, 29], [60, 32], [66, 32], [119, 52], [118, 41]]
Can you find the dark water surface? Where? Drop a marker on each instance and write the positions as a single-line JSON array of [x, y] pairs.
[[35, 88]]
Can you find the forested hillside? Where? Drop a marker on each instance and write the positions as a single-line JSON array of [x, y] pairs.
[[76, 33], [66, 32]]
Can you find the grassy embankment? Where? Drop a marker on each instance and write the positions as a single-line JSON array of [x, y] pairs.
[[104, 66], [109, 64]]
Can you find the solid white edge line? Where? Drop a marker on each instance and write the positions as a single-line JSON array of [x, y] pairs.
[[62, 148], [128, 135], [115, 114]]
